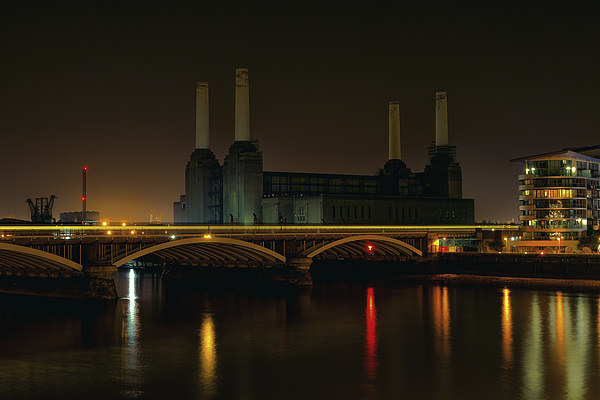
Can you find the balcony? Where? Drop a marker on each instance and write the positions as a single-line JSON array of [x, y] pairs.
[[548, 229], [526, 197], [526, 217]]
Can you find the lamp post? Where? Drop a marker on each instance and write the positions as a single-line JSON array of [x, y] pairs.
[[506, 244], [559, 245]]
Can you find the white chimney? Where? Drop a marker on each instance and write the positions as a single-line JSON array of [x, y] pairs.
[[242, 105], [395, 149], [441, 119], [202, 135]]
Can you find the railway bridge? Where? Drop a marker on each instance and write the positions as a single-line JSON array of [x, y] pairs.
[[81, 260]]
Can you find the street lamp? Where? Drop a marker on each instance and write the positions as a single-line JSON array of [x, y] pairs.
[[559, 245], [506, 244]]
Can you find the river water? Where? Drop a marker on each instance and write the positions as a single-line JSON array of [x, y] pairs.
[[384, 340]]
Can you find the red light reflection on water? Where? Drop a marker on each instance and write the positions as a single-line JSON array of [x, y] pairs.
[[371, 336]]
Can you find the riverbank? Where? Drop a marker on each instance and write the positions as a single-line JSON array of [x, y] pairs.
[[556, 266], [547, 271], [512, 281]]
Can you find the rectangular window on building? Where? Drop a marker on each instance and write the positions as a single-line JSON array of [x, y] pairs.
[[348, 211], [362, 212], [333, 211], [369, 212], [397, 212], [355, 212]]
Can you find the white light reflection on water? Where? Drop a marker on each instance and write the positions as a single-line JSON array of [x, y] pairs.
[[577, 342], [533, 368], [208, 356], [131, 381]]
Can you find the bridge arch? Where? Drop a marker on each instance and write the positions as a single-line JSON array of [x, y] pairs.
[[21, 257], [209, 248], [355, 244]]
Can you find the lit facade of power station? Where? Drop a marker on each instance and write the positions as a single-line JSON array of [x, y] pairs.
[[240, 191]]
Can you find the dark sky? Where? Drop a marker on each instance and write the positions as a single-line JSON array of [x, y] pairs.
[[113, 87]]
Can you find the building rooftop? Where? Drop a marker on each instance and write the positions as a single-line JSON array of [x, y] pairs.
[[588, 153]]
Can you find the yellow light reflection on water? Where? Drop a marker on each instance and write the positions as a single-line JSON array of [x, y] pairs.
[[560, 329], [440, 310], [441, 319], [208, 355], [507, 327]]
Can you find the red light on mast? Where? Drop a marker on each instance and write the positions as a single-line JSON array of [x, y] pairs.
[[82, 198], [85, 168], [370, 248]]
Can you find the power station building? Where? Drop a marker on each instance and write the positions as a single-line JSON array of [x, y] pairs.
[[239, 191]]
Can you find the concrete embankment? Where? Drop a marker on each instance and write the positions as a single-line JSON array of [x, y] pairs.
[[580, 271]]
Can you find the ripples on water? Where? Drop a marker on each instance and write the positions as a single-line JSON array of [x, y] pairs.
[[337, 340]]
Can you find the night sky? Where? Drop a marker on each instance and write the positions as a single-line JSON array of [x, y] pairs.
[[113, 88]]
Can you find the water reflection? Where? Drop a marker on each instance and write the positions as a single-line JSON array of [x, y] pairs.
[[370, 345], [130, 334], [555, 359], [560, 329], [371, 336], [507, 328], [533, 369], [228, 343], [441, 321], [577, 337], [207, 355]]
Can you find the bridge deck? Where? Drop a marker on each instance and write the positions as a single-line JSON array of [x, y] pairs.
[[7, 232]]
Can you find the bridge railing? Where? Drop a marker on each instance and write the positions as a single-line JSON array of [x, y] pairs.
[[98, 231]]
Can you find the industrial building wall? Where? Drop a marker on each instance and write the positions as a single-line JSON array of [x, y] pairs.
[[366, 211], [77, 217], [179, 211], [398, 211], [242, 184], [274, 208], [201, 169], [308, 210]]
